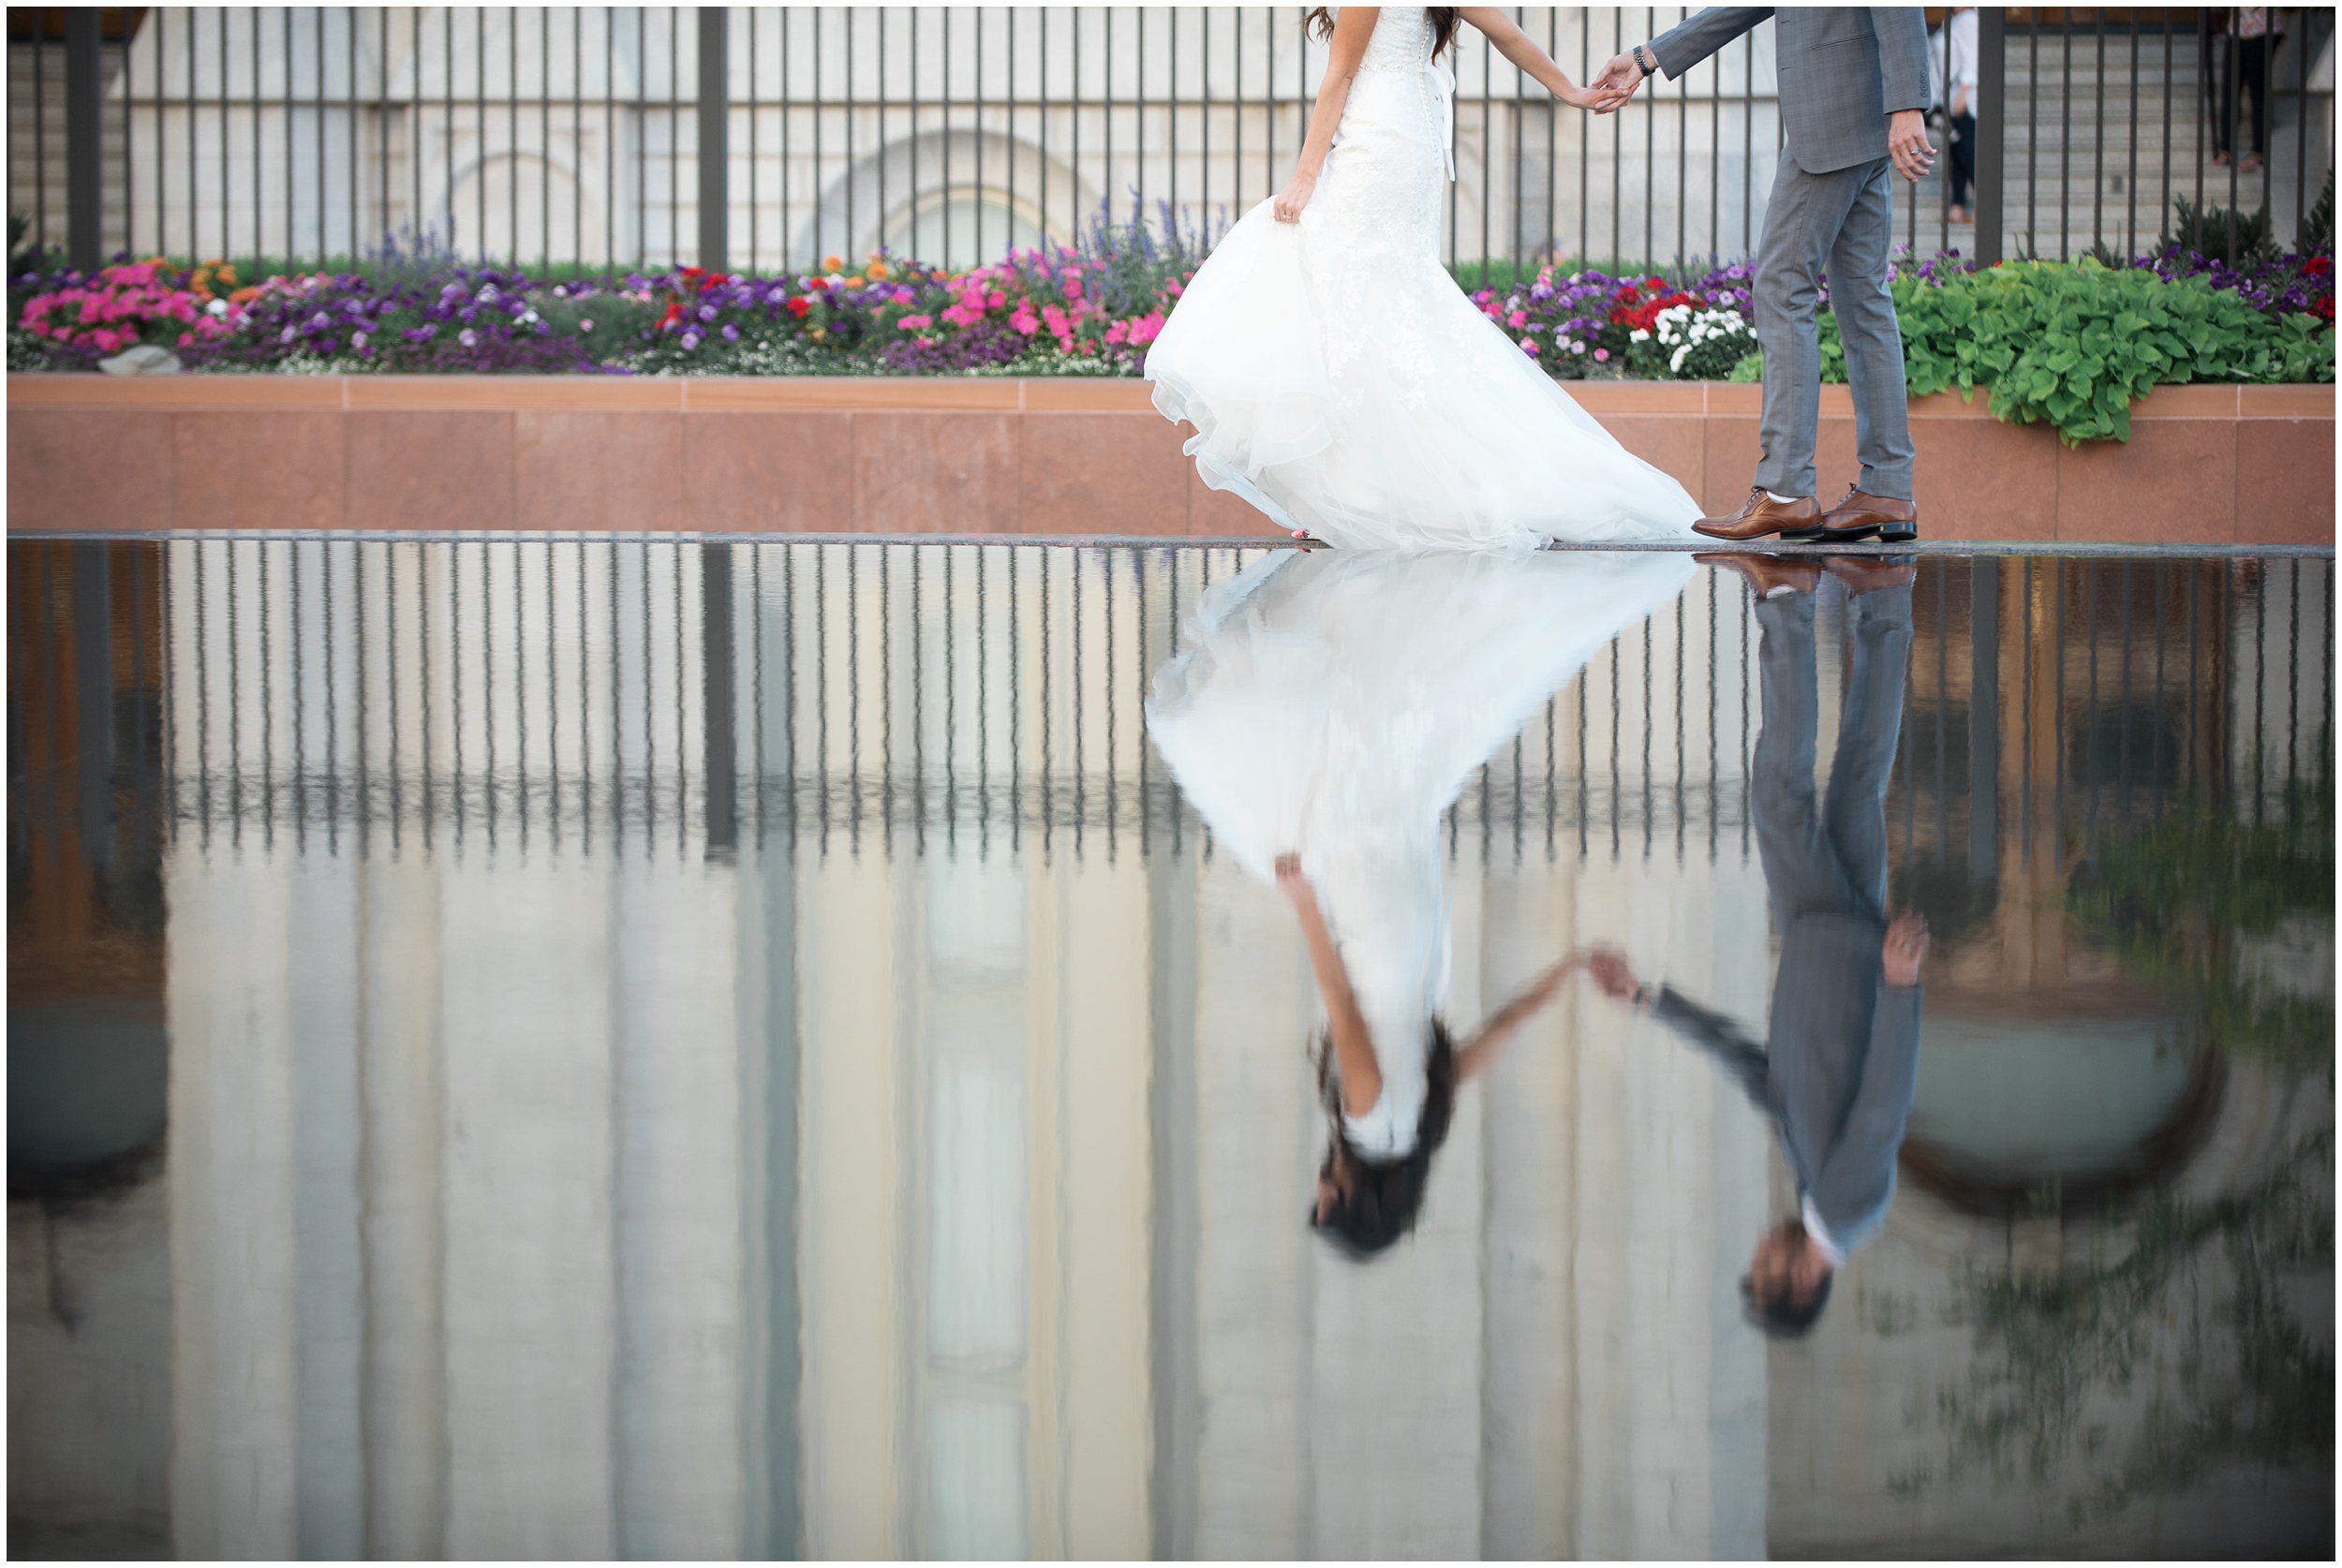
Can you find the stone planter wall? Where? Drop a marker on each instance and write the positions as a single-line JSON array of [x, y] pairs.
[[2206, 464]]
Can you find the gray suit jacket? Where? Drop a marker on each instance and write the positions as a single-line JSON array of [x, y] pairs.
[[1843, 69], [1838, 1073]]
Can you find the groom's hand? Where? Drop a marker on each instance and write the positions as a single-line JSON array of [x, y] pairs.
[[1907, 143], [1617, 80]]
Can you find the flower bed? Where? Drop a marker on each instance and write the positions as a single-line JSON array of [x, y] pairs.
[[2074, 345]]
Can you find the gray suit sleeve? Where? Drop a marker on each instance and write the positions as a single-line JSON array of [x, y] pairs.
[[1708, 29], [1722, 1039], [1858, 1173], [1902, 35]]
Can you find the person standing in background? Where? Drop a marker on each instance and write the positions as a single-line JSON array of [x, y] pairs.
[[1952, 53], [2251, 33]]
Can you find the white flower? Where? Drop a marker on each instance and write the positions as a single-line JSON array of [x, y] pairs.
[[468, 337], [1638, 335], [217, 307], [1677, 362], [356, 340]]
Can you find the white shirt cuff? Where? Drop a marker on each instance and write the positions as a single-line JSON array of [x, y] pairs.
[[1820, 1233]]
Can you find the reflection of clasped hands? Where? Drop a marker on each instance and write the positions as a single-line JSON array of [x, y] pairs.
[[1907, 129], [1900, 956]]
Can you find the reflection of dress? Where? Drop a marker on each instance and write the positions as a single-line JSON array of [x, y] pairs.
[[1341, 382], [1334, 704]]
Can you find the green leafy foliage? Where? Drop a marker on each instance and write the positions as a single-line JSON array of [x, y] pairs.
[[2174, 900], [2215, 230], [2076, 346], [2317, 227]]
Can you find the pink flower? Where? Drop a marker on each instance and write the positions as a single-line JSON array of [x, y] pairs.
[[995, 299], [1530, 344], [1146, 329], [1025, 321], [914, 323], [1601, 353], [1119, 332], [1073, 285], [1518, 319]]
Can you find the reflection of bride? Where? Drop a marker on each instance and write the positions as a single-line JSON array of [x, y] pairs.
[[1327, 709]]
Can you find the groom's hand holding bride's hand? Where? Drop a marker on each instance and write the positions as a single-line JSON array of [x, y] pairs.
[[1609, 968], [1616, 83]]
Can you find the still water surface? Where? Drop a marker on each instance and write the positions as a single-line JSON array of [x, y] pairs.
[[664, 1050]]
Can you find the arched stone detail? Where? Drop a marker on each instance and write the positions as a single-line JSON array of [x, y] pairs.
[[859, 207]]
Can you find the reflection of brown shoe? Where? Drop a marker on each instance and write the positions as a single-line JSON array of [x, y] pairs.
[[1797, 519], [1764, 573], [1859, 515], [1863, 574]]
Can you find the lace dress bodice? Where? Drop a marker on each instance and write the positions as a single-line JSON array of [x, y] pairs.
[[1401, 40]]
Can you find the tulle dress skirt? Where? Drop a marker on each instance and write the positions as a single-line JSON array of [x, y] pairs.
[[1332, 704], [1338, 379]]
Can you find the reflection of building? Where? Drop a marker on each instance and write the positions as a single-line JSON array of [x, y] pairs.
[[2058, 708], [730, 1050], [90, 1300]]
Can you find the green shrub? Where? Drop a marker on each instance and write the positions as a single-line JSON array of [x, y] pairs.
[[2077, 346]]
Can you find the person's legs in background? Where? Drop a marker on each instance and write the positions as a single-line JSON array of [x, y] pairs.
[[1963, 164], [2252, 76]]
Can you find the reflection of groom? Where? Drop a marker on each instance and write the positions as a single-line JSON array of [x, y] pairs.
[[1853, 94], [1837, 1071]]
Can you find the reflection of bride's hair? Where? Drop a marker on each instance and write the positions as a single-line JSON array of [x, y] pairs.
[[1383, 1195], [1443, 18]]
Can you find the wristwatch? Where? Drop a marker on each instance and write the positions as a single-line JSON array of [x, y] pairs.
[[1649, 67]]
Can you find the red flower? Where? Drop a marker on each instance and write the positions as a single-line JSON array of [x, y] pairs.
[[674, 314], [799, 306]]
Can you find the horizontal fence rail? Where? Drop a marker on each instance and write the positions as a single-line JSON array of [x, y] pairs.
[[572, 135], [401, 699]]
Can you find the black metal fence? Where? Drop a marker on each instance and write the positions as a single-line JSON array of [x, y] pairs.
[[765, 137], [420, 698]]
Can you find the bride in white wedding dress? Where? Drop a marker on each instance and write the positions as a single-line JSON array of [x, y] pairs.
[[1326, 709], [1337, 376]]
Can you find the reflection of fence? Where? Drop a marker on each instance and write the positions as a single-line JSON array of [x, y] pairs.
[[886, 696], [2055, 701], [583, 134]]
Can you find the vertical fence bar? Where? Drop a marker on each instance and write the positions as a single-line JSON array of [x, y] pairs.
[[1991, 140], [84, 170], [715, 137]]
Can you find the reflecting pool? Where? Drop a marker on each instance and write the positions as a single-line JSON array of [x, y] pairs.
[[620, 1049]]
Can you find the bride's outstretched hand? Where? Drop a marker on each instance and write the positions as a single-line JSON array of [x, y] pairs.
[[1294, 197], [1593, 98]]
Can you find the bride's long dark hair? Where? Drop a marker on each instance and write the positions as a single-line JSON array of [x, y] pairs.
[[1442, 18], [1384, 1196]]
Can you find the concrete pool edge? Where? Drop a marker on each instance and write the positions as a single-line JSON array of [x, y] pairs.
[[874, 457]]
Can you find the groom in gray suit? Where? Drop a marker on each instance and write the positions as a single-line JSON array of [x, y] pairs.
[[1838, 1069], [1853, 83]]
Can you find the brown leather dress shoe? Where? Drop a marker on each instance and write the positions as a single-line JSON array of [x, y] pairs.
[[1864, 574], [1762, 515], [1763, 573], [1860, 515]]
